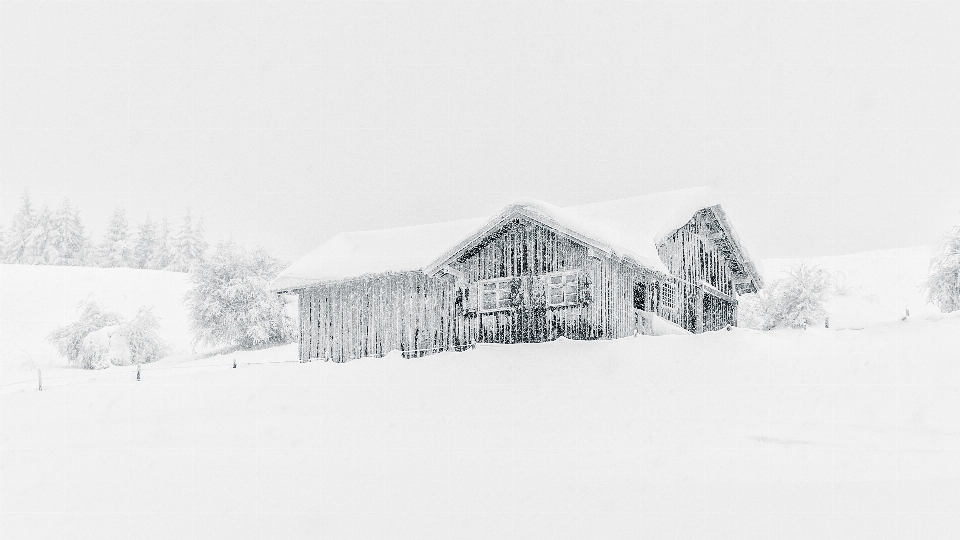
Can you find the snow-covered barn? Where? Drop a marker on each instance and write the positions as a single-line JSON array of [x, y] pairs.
[[532, 272]]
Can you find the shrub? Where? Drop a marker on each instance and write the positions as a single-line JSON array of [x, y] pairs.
[[101, 338], [792, 302], [142, 336], [230, 302], [943, 282], [69, 339]]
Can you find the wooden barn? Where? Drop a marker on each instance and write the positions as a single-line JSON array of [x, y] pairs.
[[533, 272]]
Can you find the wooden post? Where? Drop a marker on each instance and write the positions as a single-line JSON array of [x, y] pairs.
[[40, 379]]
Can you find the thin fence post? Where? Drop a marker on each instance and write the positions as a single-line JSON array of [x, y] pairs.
[[40, 379]]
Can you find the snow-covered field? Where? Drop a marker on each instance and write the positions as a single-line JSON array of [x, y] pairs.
[[825, 433]]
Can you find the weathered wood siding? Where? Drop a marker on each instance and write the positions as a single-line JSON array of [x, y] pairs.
[[529, 251], [371, 316], [691, 255]]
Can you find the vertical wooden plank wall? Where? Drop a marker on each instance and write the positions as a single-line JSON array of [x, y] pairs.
[[371, 316], [528, 250], [690, 254]]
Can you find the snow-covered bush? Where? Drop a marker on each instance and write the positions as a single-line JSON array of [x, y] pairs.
[[751, 309], [792, 302], [104, 348], [142, 338], [69, 339], [230, 303], [99, 339], [943, 282]]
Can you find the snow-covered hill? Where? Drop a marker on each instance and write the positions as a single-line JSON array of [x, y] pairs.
[[35, 299]]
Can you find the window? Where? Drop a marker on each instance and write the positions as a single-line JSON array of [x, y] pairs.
[[562, 289], [668, 295], [495, 294], [640, 296]]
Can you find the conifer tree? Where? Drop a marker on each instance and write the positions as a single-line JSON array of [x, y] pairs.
[[145, 249], [162, 254], [115, 249], [190, 245], [68, 235], [40, 243], [15, 243]]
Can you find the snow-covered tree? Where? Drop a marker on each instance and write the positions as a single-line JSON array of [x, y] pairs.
[[40, 243], [15, 244], [796, 301], [943, 282], [116, 247], [162, 255], [142, 337], [67, 236], [69, 339], [230, 303], [189, 248], [144, 251]]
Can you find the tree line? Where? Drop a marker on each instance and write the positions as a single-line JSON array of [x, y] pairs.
[[59, 237]]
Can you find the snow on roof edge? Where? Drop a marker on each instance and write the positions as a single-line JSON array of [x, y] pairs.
[[596, 230]]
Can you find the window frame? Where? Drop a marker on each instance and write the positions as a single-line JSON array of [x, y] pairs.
[[674, 291], [563, 285], [497, 282]]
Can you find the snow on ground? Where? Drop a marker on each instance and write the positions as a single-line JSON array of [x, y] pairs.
[[36, 299], [848, 432], [741, 434]]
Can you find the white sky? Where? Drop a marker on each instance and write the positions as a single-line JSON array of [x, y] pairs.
[[831, 127]]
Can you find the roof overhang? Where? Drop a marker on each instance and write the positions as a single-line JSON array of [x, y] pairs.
[[746, 276]]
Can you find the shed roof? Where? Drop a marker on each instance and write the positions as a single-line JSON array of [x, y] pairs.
[[630, 228]]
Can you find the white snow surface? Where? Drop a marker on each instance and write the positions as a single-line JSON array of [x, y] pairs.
[[835, 434], [630, 227]]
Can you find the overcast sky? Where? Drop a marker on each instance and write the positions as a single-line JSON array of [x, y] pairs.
[[829, 127]]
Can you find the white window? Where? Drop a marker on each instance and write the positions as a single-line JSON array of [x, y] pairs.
[[495, 294], [562, 289], [668, 296]]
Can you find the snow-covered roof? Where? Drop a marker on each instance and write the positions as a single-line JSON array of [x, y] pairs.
[[630, 227]]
